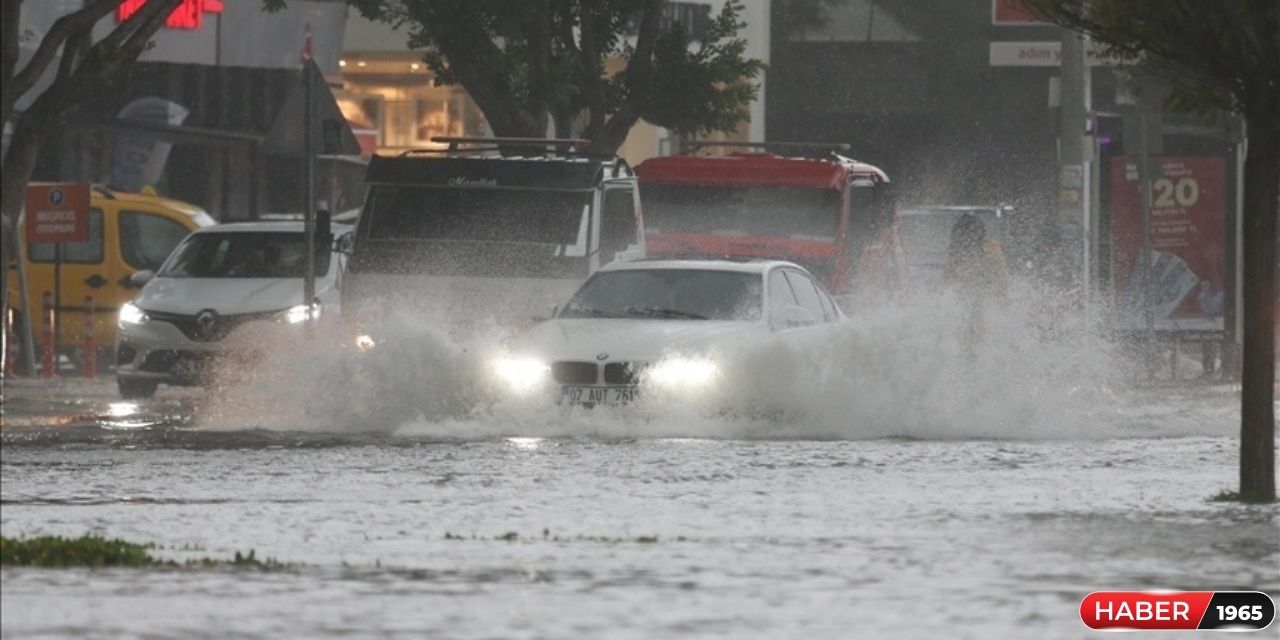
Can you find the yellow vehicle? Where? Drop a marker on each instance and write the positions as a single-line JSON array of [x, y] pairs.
[[128, 232]]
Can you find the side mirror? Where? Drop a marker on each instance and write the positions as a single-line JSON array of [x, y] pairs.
[[140, 278], [793, 316]]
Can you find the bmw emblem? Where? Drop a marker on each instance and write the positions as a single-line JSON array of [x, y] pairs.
[[602, 356]]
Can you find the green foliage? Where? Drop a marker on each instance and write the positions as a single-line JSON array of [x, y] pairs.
[[1214, 55], [86, 551], [95, 552], [548, 58], [700, 89]]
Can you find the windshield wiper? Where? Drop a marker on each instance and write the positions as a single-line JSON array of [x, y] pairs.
[[661, 312], [590, 312]]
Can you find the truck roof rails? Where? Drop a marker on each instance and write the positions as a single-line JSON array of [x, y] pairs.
[[541, 147], [829, 147], [535, 143]]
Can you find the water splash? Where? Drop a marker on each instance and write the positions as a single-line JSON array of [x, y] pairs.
[[896, 370]]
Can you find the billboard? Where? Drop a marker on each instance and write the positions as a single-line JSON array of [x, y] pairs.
[[1188, 242]]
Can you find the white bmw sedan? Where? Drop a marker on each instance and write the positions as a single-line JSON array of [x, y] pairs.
[[656, 326]]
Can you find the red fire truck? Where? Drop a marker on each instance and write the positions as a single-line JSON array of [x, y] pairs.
[[833, 215]]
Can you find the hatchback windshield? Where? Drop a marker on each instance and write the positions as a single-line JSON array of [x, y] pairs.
[[684, 294], [243, 254]]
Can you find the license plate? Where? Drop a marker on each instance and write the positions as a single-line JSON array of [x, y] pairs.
[[188, 367], [595, 396]]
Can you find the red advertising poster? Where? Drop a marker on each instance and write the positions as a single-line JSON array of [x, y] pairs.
[[1188, 242]]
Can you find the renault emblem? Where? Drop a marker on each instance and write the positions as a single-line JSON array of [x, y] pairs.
[[205, 321]]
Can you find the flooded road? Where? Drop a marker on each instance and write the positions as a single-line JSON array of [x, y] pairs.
[[428, 532]]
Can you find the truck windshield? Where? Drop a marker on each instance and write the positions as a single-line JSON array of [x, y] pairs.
[[809, 213], [668, 294], [243, 254], [477, 215]]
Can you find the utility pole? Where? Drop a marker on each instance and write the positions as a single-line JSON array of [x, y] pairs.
[[1074, 156], [309, 188]]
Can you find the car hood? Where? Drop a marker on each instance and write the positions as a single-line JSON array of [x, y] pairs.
[[626, 339], [226, 296]]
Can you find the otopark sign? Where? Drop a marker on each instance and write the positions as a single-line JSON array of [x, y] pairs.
[[57, 213]]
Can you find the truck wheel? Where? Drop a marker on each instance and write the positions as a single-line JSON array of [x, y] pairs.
[[136, 389]]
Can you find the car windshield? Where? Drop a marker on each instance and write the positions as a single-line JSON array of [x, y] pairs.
[[243, 254], [672, 294], [788, 212]]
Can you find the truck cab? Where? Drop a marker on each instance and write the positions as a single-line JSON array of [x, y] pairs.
[[829, 213], [476, 235]]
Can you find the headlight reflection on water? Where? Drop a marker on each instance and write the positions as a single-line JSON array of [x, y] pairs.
[[525, 443], [119, 411]]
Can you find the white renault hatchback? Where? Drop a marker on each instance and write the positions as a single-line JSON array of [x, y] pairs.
[[221, 293], [649, 325]]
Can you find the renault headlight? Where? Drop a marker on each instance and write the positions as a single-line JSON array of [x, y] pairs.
[[521, 375], [682, 372], [131, 314], [301, 313]]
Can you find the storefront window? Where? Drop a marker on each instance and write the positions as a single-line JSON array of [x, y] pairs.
[[391, 97]]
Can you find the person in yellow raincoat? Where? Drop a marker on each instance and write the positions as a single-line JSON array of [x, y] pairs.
[[977, 271]]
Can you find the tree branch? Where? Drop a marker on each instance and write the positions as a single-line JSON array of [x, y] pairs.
[[635, 76], [62, 29]]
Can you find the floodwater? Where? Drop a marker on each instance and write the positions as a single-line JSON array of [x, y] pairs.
[[947, 519]]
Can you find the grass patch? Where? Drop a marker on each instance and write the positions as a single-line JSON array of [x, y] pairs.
[[56, 552], [1227, 495], [96, 552]]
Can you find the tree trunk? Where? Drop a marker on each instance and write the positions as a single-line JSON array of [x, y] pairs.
[[1257, 411]]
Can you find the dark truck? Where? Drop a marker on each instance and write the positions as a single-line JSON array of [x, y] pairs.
[[468, 237]]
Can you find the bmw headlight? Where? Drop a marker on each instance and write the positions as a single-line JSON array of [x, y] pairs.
[[682, 372], [521, 375], [301, 313], [131, 314]]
